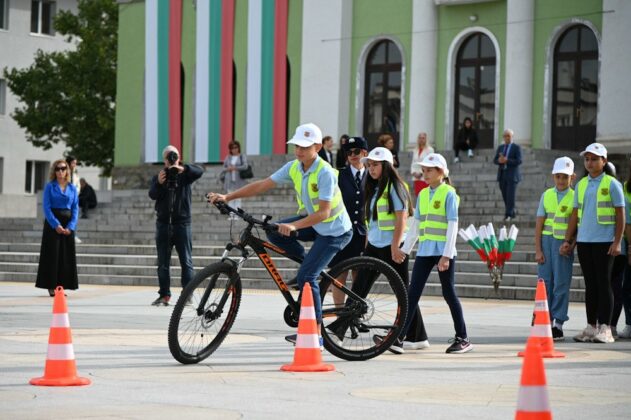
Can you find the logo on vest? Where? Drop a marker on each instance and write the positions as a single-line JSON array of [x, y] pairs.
[[436, 205], [604, 191], [314, 187], [563, 209]]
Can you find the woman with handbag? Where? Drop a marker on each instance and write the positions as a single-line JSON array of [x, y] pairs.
[[236, 171]]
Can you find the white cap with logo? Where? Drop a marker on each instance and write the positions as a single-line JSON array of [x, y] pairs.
[[596, 149], [436, 160], [306, 135], [379, 154], [563, 165]]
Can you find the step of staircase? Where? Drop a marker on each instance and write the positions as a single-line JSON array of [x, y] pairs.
[[118, 239]]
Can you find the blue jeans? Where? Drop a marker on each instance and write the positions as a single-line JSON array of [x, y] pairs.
[[420, 273], [321, 253], [508, 188], [181, 239], [556, 273]]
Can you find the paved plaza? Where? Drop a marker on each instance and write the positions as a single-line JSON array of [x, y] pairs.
[[120, 343]]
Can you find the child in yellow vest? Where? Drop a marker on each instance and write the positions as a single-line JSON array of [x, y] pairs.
[[599, 216], [555, 208]]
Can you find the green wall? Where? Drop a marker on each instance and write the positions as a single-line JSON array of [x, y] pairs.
[[240, 57], [371, 19], [129, 81], [294, 54], [548, 16], [452, 20]]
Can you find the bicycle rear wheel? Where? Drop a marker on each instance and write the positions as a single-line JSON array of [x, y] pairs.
[[348, 328], [204, 313]]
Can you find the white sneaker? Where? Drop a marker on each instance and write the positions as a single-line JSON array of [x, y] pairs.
[[415, 345], [603, 335], [456, 160], [77, 240], [586, 335], [626, 332], [470, 153]]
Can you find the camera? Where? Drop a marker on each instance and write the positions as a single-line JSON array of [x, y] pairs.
[[172, 171]]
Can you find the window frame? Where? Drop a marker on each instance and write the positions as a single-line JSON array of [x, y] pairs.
[[3, 97], [40, 9], [4, 22]]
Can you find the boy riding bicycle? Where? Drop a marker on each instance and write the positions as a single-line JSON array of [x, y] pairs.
[[326, 224]]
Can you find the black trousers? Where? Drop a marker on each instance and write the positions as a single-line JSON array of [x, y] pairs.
[[597, 267], [416, 332]]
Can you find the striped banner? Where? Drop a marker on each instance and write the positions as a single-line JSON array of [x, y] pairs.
[[163, 99], [266, 131], [214, 79]]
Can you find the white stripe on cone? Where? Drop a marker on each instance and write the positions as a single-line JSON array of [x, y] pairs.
[[60, 352], [307, 312], [541, 305], [533, 399], [308, 341], [60, 321], [541, 331]]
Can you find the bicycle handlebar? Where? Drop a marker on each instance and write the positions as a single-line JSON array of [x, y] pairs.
[[224, 208]]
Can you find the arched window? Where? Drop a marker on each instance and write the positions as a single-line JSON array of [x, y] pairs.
[[382, 92], [575, 89], [475, 87]]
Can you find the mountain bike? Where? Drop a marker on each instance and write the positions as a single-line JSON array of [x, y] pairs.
[[376, 303]]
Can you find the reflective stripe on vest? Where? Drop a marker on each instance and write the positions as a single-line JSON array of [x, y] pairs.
[[557, 214], [605, 212], [337, 205], [385, 220], [433, 226]]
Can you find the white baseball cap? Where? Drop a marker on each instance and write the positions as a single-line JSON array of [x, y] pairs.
[[306, 135], [563, 165], [436, 160], [596, 149], [378, 154]]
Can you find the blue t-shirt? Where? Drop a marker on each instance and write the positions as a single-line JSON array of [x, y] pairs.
[[382, 238], [55, 198], [541, 212], [327, 183], [434, 248], [590, 230]]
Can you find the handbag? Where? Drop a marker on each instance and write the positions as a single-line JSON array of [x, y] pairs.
[[246, 173]]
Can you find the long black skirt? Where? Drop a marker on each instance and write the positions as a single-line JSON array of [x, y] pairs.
[[57, 257]]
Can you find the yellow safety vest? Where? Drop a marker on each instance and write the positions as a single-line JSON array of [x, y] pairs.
[[337, 205], [433, 226], [557, 214], [605, 212], [385, 220]]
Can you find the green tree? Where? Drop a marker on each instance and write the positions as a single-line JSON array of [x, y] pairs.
[[69, 96]]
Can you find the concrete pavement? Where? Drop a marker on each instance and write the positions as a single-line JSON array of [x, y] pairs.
[[120, 344]]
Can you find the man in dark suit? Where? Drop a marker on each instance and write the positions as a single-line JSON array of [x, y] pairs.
[[508, 159], [350, 180], [326, 152]]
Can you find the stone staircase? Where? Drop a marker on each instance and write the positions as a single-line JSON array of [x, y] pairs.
[[118, 239]]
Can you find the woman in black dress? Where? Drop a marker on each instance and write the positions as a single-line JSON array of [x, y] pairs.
[[57, 258]]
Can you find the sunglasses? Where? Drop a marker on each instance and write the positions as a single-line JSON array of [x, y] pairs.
[[353, 152], [60, 168]]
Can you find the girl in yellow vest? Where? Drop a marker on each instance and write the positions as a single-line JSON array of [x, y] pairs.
[[326, 224], [437, 213], [553, 214], [387, 206], [599, 216]]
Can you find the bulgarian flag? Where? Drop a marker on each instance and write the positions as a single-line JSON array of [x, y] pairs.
[[501, 249], [473, 239], [163, 83], [266, 102], [510, 243], [493, 254], [214, 79]]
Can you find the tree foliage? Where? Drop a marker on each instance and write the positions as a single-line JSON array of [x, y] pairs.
[[69, 96]]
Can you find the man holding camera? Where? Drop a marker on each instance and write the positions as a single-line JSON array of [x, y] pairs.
[[171, 189]]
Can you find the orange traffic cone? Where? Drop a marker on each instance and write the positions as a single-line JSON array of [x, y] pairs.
[[307, 356], [541, 328], [61, 369], [532, 400]]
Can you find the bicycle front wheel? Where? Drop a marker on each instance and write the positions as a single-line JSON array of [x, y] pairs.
[[204, 313], [379, 307]]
